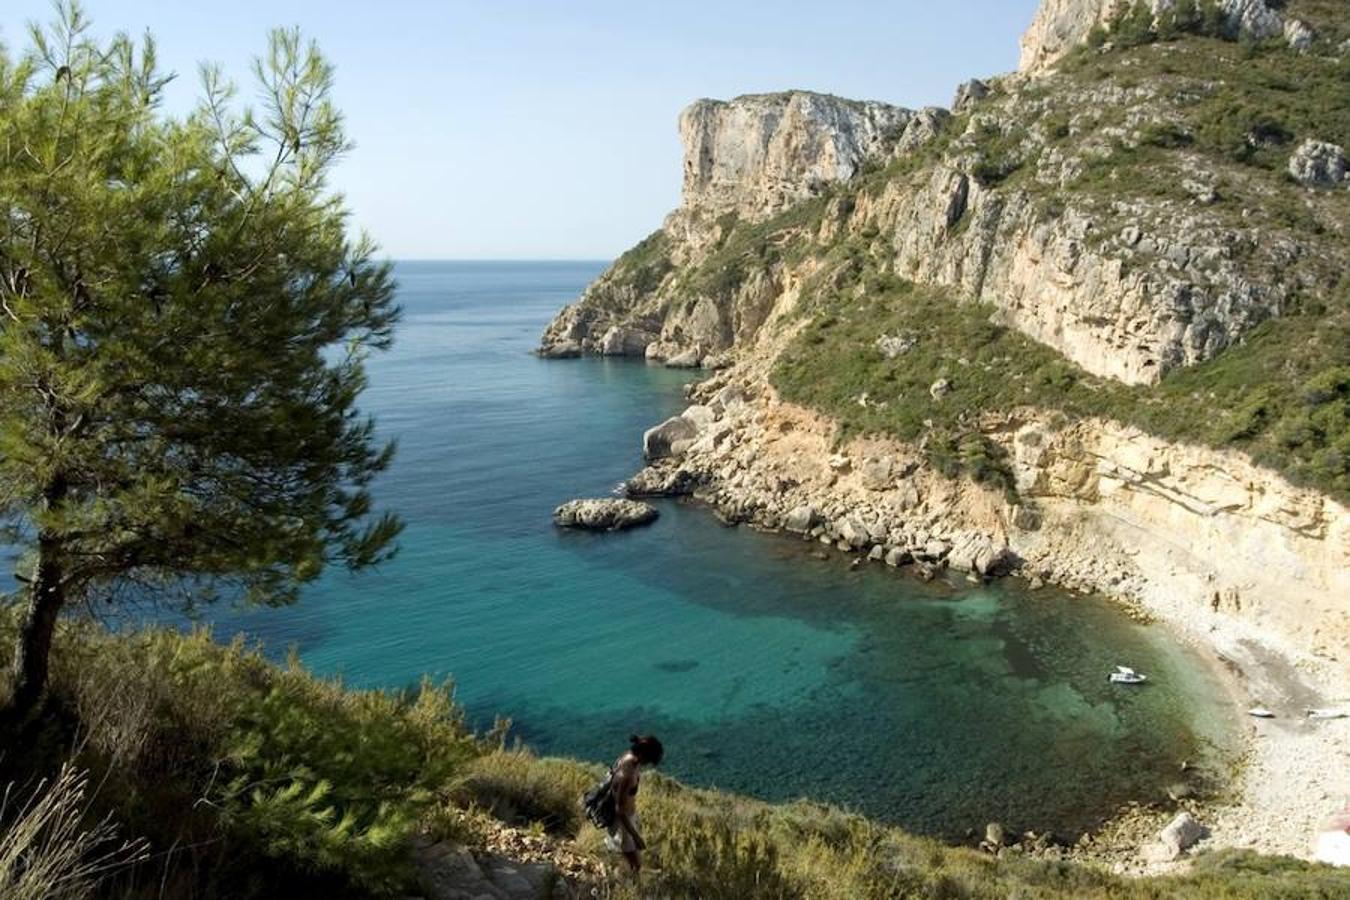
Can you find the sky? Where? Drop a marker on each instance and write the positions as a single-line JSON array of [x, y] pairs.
[[547, 130]]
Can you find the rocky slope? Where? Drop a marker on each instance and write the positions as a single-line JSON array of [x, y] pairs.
[[1083, 208], [1159, 218], [1062, 25]]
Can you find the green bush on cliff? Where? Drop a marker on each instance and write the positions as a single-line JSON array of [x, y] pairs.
[[1282, 395]]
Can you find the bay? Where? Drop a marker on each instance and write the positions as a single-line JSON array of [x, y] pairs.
[[763, 669]]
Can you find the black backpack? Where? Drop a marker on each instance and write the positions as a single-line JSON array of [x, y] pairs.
[[598, 803]]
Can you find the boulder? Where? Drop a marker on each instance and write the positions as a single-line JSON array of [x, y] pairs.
[[1318, 164], [935, 549], [801, 519], [977, 552], [940, 388], [854, 533], [711, 438], [1181, 834], [877, 553], [656, 482], [994, 834], [448, 871], [897, 556], [686, 359], [669, 439], [891, 346], [729, 400], [967, 94], [1298, 34], [877, 472], [840, 463], [562, 349], [702, 416], [906, 496], [619, 341], [723, 360], [608, 514]]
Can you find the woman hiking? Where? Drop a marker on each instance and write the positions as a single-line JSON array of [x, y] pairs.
[[624, 836]]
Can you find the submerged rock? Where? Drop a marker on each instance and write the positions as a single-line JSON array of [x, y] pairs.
[[608, 514]]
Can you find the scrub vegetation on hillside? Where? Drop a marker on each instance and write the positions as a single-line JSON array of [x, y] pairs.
[[234, 777]]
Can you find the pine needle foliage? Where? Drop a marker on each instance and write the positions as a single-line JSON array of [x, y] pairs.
[[183, 324]]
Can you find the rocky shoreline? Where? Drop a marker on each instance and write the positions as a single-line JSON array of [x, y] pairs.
[[756, 461]]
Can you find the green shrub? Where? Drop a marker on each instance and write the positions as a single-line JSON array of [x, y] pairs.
[[274, 773]]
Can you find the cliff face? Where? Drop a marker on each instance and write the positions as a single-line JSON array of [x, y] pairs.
[[1139, 210], [745, 161], [1062, 25], [757, 155], [1129, 279]]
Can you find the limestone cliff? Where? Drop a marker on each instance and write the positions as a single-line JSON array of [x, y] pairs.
[[1142, 210], [1063, 25], [759, 154]]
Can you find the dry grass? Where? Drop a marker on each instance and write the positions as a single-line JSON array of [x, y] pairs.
[[48, 852]]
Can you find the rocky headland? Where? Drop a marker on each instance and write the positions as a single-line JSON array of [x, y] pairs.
[[1087, 327]]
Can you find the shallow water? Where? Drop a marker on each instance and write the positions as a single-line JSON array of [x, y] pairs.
[[764, 670]]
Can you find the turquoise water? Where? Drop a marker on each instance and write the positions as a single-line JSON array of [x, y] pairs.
[[763, 669]]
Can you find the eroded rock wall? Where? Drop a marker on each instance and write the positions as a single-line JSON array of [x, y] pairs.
[[1060, 26], [759, 154], [1070, 282]]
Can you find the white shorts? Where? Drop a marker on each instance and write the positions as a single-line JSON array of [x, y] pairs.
[[620, 839]]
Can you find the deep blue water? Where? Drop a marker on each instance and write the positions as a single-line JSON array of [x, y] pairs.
[[763, 669]]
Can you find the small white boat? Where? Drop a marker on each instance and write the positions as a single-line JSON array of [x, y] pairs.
[[1260, 712], [1126, 675], [1328, 714]]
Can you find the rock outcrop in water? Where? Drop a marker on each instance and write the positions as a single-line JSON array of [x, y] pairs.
[[607, 514]]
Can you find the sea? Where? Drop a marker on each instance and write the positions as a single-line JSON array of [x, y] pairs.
[[764, 669]]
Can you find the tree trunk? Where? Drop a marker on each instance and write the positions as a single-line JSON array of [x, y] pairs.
[[46, 596]]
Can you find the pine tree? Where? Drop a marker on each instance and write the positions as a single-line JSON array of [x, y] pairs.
[[183, 325]]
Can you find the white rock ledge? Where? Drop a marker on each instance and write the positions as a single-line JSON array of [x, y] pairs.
[[604, 514]]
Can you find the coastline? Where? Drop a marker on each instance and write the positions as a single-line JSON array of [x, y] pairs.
[[750, 461]]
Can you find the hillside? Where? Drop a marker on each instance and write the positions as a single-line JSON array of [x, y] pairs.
[[225, 776], [1089, 325]]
